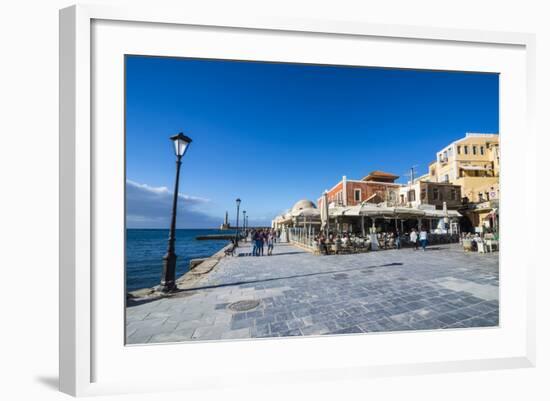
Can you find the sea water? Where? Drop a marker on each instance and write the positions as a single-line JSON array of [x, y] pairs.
[[146, 247]]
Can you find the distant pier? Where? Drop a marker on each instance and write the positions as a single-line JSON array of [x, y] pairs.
[[216, 236]]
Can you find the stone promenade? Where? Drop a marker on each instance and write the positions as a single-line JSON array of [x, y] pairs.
[[295, 293]]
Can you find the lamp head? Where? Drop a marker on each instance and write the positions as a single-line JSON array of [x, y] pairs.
[[181, 143]]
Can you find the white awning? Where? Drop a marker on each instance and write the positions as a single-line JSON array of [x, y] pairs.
[[442, 213]]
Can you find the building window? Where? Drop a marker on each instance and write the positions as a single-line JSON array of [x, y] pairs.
[[465, 149], [446, 178], [474, 150], [480, 196], [436, 193], [402, 199], [357, 195], [481, 150], [411, 195], [423, 194], [458, 150], [453, 194]]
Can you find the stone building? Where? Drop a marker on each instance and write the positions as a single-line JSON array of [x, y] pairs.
[[376, 187], [437, 194], [473, 162]]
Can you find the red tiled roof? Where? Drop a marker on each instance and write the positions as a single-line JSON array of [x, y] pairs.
[[380, 174]]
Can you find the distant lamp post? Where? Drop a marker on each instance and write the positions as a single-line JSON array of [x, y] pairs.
[[238, 201], [168, 279], [244, 224]]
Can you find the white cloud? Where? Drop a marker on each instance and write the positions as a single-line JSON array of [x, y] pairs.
[[165, 191], [150, 207]]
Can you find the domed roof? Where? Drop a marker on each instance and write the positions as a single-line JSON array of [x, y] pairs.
[[303, 204]]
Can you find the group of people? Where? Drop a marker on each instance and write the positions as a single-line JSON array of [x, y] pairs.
[[386, 240], [477, 240], [419, 237], [261, 238]]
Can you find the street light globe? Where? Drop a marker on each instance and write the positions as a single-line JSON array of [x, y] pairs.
[[181, 143], [238, 201]]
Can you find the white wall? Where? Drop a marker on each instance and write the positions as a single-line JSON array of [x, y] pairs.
[[28, 205]]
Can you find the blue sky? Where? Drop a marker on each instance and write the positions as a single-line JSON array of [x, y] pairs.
[[275, 133]]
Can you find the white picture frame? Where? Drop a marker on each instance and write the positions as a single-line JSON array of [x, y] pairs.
[[82, 342]]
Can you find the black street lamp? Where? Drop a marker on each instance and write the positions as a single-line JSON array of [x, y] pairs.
[[168, 279], [238, 201]]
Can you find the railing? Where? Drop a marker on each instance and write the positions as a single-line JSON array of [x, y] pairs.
[[303, 237]]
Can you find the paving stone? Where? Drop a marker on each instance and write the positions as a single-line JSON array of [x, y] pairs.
[[278, 326], [290, 333], [348, 330], [240, 324], [383, 291], [236, 334], [174, 336], [209, 332], [260, 330], [316, 329], [428, 324], [483, 307]]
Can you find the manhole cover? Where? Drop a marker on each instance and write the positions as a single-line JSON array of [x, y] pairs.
[[241, 306]]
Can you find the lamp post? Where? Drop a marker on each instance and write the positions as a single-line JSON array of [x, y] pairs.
[[238, 201], [244, 224], [168, 279]]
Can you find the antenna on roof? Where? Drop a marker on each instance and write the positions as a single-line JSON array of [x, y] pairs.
[[411, 173]]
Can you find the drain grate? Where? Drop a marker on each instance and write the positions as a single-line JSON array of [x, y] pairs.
[[242, 306]]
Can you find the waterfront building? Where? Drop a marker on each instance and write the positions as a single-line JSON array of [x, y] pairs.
[[473, 163], [377, 186], [437, 194]]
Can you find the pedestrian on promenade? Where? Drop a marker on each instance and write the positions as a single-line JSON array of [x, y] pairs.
[[261, 242], [414, 239], [270, 240], [323, 245], [397, 240], [423, 238], [254, 241]]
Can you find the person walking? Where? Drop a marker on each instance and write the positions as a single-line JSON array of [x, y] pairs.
[[261, 242], [254, 241], [323, 249], [423, 238], [397, 240], [270, 240], [414, 239]]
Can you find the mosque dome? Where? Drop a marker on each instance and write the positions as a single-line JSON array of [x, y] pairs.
[[303, 204]]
